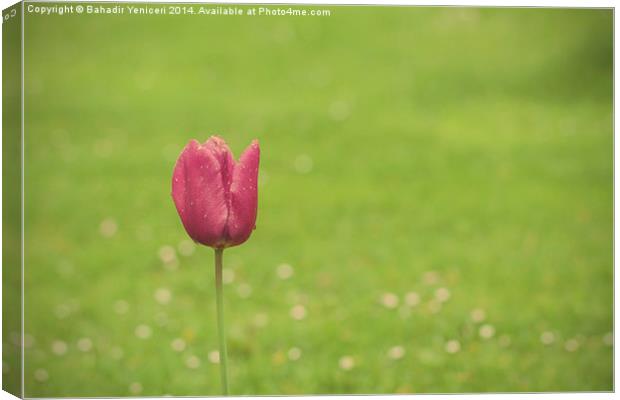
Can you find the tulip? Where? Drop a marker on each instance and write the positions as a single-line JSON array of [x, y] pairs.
[[216, 198]]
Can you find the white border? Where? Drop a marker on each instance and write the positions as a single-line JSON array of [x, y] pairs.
[[22, 194], [436, 3]]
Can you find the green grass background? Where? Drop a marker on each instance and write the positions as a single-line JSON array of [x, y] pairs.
[[459, 148]]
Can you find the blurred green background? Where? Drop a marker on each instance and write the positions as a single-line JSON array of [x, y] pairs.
[[435, 202]]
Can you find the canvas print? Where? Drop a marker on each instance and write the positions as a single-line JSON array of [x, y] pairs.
[[272, 199]]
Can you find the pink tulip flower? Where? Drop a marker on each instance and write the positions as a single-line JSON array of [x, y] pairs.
[[215, 196]]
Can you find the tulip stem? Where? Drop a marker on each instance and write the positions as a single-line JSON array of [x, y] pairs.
[[220, 319]]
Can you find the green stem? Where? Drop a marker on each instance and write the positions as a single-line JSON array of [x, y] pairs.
[[220, 319]]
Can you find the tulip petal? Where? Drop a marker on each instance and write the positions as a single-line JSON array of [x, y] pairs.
[[244, 196], [221, 152], [199, 195]]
